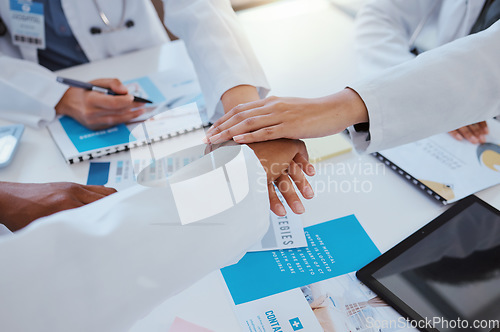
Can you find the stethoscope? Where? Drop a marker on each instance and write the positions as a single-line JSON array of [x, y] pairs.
[[411, 43], [110, 28]]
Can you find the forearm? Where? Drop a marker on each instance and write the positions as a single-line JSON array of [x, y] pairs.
[[238, 95], [346, 108], [4, 203], [100, 236], [295, 118], [8, 206]]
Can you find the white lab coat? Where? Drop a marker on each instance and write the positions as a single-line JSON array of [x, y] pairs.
[[220, 52], [455, 83], [106, 265]]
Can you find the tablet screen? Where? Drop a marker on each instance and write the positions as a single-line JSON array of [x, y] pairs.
[[451, 276]]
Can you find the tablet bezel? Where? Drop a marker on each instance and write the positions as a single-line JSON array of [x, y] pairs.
[[365, 274]]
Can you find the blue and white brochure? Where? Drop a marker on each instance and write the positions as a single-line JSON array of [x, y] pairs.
[[313, 288]]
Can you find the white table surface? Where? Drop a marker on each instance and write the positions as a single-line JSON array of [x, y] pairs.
[[307, 49]]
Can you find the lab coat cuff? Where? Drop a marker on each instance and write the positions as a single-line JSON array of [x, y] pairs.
[[360, 139], [368, 141], [51, 98]]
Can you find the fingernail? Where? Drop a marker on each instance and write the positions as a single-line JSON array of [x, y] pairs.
[[474, 140], [215, 139], [205, 140], [280, 210], [298, 207], [311, 170], [238, 138], [308, 192]]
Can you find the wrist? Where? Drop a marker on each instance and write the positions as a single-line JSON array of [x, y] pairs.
[[240, 94], [357, 110], [61, 106], [346, 108]]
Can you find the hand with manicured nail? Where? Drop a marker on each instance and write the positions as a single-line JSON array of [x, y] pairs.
[[272, 118], [285, 161]]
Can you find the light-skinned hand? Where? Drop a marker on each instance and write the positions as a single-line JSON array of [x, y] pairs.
[[294, 118], [97, 110], [283, 160]]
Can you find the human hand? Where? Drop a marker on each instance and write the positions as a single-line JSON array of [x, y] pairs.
[[285, 162], [294, 118], [97, 110], [21, 203], [474, 133]]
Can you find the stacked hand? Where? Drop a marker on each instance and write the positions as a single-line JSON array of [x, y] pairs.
[[270, 120], [285, 162], [96, 110], [294, 118]]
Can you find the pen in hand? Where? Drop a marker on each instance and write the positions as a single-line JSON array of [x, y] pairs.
[[91, 87]]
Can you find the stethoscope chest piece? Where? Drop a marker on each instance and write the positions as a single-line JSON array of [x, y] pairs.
[[108, 27]]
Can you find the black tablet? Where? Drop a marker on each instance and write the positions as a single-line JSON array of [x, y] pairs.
[[446, 276]]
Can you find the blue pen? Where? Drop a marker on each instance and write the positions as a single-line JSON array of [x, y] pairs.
[[91, 87]]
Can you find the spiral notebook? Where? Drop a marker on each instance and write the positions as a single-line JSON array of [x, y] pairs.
[[183, 111], [78, 143], [446, 169]]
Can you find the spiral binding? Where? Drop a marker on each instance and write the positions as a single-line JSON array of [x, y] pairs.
[[410, 178], [126, 147]]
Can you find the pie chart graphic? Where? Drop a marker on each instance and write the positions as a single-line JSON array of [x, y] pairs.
[[489, 155]]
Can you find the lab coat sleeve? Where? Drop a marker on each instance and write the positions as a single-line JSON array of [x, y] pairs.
[[106, 265], [383, 31], [222, 56], [441, 90], [28, 92]]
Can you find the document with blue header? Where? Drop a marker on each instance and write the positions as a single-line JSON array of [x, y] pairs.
[[313, 288], [168, 90]]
